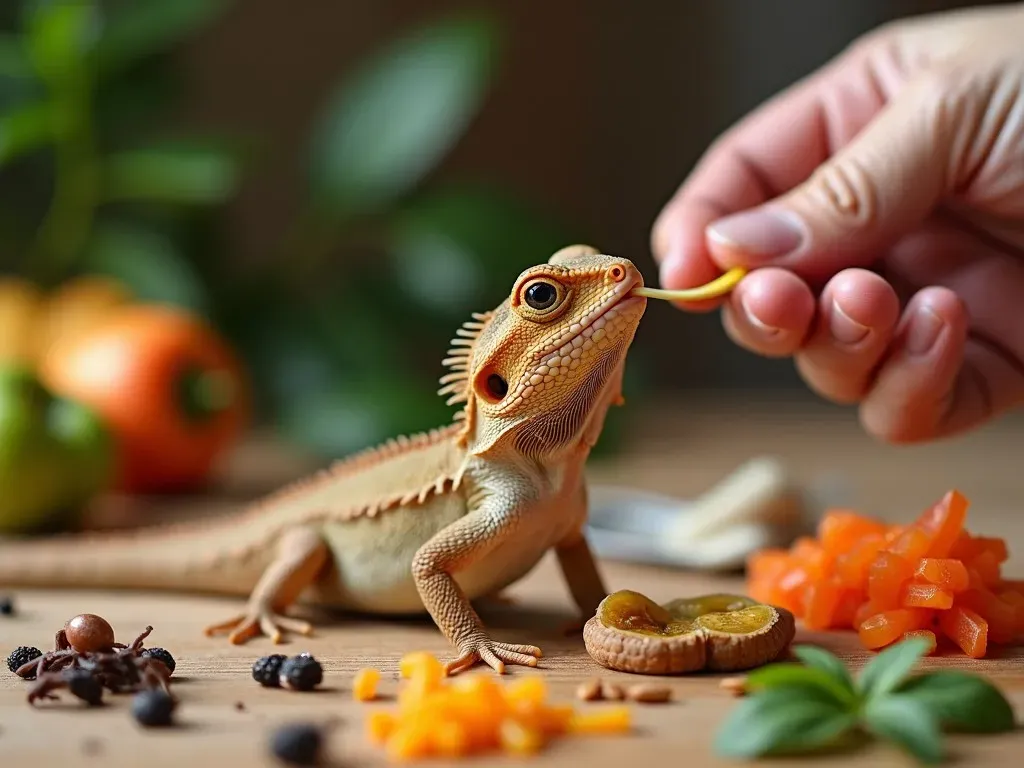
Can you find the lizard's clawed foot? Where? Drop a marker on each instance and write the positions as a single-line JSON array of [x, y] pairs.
[[495, 655], [242, 628]]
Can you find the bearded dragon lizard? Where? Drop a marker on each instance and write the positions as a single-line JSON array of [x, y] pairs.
[[428, 522]]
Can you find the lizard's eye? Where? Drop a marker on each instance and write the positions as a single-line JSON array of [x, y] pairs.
[[541, 294]]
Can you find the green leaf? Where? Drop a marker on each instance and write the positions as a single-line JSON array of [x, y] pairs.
[[14, 61], [781, 721], [962, 701], [148, 263], [830, 664], [183, 173], [908, 723], [142, 29], [456, 249], [789, 676], [60, 37], [890, 667], [388, 126], [24, 129]]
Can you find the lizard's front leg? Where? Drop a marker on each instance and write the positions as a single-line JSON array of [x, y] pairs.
[[301, 555], [461, 544]]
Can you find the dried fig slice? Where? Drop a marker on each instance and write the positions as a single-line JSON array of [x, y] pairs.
[[720, 632]]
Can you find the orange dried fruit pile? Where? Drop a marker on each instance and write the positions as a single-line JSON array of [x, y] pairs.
[[932, 578], [442, 717]]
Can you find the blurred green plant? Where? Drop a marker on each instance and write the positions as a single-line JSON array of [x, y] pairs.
[[344, 328]]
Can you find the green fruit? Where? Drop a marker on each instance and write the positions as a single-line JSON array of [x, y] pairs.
[[55, 455]]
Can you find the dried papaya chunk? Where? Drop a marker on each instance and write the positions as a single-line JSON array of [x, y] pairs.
[[721, 632]]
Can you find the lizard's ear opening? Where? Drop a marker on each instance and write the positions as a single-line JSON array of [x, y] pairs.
[[572, 253], [491, 385]]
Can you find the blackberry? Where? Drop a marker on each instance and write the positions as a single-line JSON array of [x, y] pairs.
[[23, 655], [161, 654], [301, 673], [153, 707], [266, 670], [297, 744], [83, 684], [6, 606]]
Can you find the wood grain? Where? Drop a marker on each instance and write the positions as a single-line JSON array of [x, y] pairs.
[[680, 454]]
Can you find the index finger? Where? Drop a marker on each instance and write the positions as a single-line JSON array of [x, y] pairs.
[[769, 152]]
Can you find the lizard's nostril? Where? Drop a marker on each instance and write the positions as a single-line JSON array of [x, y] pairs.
[[616, 273]]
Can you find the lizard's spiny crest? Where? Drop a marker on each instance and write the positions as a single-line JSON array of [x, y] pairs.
[[456, 383]]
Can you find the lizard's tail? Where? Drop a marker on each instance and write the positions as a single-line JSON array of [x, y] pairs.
[[218, 557]]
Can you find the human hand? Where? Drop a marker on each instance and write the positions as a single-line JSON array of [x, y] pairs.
[[880, 202]]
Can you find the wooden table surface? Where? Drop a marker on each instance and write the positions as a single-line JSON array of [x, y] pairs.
[[680, 451]]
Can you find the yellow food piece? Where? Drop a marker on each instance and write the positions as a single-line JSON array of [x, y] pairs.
[[516, 739], [611, 720], [472, 714], [634, 612], [718, 287], [364, 685], [379, 726]]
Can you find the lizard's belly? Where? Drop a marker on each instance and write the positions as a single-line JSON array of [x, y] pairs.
[[372, 569]]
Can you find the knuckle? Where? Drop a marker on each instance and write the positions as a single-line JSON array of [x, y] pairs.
[[845, 191]]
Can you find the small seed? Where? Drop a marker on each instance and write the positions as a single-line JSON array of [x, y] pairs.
[[648, 693], [734, 685], [612, 692], [590, 690]]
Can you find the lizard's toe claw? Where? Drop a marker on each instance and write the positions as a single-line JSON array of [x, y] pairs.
[[243, 628], [495, 655]]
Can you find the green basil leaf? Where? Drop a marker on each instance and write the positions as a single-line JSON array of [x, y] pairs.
[[908, 723], [962, 701], [388, 126], [24, 130], [781, 721], [829, 663], [185, 173], [786, 675], [141, 29], [890, 667]]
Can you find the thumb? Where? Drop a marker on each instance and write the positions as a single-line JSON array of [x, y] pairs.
[[867, 194]]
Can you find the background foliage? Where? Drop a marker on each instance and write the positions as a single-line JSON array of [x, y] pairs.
[[343, 332]]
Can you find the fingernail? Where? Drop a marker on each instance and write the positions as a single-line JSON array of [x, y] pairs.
[[844, 328], [755, 321], [764, 233], [925, 327]]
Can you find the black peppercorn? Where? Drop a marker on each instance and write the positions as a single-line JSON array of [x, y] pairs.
[[267, 670], [153, 707], [301, 673], [6, 606], [161, 654], [297, 744], [83, 684], [23, 655]]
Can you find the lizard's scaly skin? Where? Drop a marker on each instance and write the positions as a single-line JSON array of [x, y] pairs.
[[425, 522]]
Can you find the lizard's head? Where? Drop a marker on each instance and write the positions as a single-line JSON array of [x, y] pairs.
[[534, 370]]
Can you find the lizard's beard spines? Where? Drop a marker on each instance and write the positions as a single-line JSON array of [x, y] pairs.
[[456, 384]]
